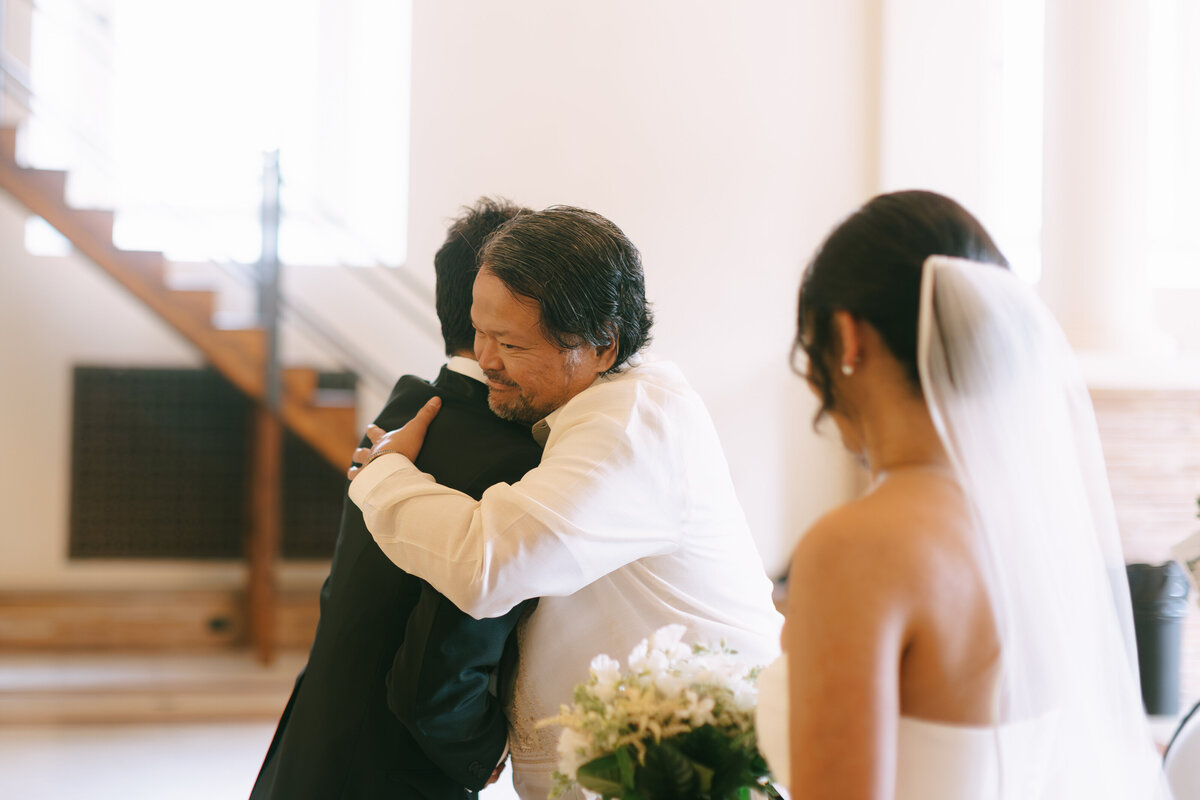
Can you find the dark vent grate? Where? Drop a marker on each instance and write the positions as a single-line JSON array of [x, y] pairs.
[[159, 470]]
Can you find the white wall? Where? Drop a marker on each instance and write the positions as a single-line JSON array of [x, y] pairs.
[[724, 138]]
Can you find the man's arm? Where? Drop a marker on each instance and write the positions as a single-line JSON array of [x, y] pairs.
[[592, 506], [439, 686]]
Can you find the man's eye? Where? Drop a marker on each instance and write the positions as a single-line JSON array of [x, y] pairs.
[[507, 346]]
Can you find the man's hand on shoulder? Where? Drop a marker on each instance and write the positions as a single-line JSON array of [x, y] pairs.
[[405, 441]]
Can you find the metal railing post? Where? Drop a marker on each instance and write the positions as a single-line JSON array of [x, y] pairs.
[[268, 269], [266, 481]]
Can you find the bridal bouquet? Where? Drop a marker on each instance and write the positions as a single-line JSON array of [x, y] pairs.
[[678, 723]]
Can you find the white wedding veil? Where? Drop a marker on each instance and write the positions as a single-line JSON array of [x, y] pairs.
[[1009, 403]]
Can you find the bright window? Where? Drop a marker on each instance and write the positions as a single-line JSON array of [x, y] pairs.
[[180, 101]]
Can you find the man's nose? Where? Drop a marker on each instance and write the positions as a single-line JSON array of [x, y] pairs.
[[487, 354]]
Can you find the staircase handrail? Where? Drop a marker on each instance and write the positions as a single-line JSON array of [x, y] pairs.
[[292, 310]]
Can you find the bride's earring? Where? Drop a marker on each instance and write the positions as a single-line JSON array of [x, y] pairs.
[[847, 369]]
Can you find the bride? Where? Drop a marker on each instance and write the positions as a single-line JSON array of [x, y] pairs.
[[963, 630]]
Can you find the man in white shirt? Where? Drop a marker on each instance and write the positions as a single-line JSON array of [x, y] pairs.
[[629, 523]]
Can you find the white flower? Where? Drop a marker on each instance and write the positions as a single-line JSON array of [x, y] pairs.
[[573, 751], [671, 685], [604, 692], [668, 635], [606, 671], [668, 641], [656, 663], [745, 698], [607, 674], [637, 656], [699, 709]]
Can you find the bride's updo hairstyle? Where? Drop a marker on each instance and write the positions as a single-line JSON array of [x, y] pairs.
[[870, 266]]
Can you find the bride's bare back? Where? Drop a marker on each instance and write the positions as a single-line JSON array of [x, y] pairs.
[[887, 616]]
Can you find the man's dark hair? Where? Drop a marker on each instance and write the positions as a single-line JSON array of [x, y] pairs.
[[457, 261], [582, 271], [871, 266]]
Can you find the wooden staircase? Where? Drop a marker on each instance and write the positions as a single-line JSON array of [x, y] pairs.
[[325, 420], [326, 423]]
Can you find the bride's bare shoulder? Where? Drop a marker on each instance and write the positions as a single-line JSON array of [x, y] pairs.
[[891, 534]]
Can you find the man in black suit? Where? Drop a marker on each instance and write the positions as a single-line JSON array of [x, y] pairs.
[[396, 700]]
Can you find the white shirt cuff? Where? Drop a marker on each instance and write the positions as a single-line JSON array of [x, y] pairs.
[[375, 472]]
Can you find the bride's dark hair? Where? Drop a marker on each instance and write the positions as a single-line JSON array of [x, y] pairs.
[[870, 266]]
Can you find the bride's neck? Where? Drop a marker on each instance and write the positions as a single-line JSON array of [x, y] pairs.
[[901, 435]]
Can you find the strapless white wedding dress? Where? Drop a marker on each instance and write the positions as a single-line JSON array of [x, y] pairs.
[[934, 761]]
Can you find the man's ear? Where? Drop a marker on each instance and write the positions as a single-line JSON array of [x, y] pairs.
[[850, 352], [606, 356]]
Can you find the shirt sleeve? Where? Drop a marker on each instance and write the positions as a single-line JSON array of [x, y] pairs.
[[592, 506]]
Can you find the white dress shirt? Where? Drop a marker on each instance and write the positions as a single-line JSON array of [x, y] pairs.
[[629, 523]]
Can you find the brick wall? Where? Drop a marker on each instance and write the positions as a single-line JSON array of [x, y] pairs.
[[1151, 441]]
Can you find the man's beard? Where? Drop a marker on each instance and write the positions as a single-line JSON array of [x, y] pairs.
[[518, 409]]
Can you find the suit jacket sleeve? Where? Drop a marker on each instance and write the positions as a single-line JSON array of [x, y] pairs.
[[439, 686], [440, 682]]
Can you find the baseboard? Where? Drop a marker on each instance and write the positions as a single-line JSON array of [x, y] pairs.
[[149, 621]]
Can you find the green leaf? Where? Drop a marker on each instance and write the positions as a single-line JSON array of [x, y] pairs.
[[705, 744], [626, 765], [704, 777], [703, 764], [667, 774], [602, 775]]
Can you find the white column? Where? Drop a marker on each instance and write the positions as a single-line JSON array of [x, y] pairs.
[[1094, 214], [940, 104]]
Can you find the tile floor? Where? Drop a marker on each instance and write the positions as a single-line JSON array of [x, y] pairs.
[[141, 727], [153, 728], [165, 761]]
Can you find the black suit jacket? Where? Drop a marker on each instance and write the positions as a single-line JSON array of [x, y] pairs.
[[394, 700]]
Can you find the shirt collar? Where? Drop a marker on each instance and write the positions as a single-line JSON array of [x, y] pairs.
[[541, 428], [466, 366]]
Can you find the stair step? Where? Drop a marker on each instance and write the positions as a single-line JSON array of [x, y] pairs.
[[84, 688], [149, 264], [251, 341], [332, 430], [8, 144], [299, 383], [199, 302], [96, 222], [51, 184]]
